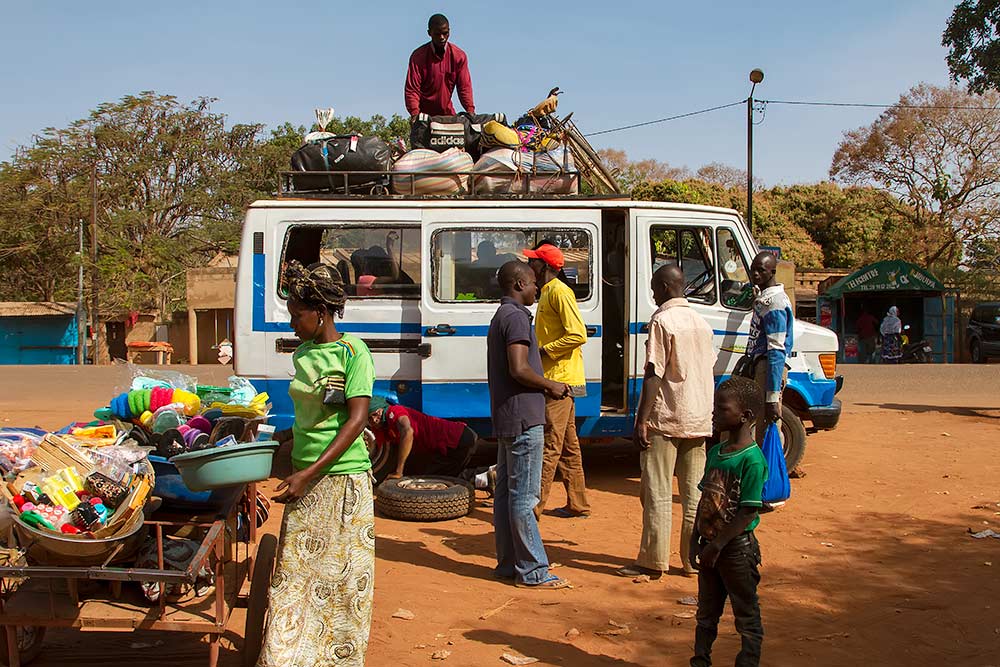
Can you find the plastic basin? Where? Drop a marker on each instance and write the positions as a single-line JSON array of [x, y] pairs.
[[226, 466], [174, 493], [46, 547]]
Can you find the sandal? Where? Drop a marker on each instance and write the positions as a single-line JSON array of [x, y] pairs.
[[551, 582], [638, 571]]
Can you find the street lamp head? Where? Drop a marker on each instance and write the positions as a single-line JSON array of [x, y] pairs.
[[756, 75]]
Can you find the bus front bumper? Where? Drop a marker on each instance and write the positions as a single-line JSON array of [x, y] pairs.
[[825, 417]]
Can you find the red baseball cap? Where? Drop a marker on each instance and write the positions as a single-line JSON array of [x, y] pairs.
[[549, 254]]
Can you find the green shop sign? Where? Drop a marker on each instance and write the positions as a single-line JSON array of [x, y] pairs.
[[887, 276]]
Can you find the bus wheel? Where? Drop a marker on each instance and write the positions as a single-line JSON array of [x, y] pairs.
[[793, 438]]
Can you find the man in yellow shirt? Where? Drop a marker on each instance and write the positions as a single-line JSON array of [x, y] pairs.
[[561, 335]]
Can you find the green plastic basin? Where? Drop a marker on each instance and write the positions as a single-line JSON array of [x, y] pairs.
[[226, 466]]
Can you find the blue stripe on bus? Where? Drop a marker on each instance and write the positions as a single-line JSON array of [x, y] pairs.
[[260, 322], [635, 328]]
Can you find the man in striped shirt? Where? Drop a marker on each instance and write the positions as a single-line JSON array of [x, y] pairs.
[[771, 336]]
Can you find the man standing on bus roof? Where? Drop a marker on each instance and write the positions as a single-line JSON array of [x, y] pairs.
[[435, 70], [561, 335], [771, 336]]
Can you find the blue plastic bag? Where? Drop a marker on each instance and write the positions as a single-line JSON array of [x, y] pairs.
[[777, 487]]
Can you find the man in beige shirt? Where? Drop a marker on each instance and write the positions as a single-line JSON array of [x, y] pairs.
[[673, 420]]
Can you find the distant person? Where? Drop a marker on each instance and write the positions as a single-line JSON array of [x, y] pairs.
[[517, 406], [486, 254], [426, 445], [561, 336], [723, 546], [867, 327], [771, 336], [435, 70], [672, 422], [892, 337]]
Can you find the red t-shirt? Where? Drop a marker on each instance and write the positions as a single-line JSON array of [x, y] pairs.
[[430, 81], [430, 434]]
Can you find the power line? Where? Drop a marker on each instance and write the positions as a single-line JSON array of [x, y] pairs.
[[664, 120], [857, 105], [878, 106]]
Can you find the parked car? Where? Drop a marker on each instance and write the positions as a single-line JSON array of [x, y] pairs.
[[983, 332]]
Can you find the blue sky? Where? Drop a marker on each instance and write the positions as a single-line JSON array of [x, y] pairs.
[[618, 63]]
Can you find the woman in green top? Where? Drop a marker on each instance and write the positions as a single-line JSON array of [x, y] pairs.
[[321, 592]]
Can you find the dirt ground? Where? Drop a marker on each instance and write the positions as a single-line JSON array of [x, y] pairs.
[[869, 563]]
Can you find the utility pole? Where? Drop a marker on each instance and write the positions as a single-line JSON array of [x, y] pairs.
[[81, 315], [756, 76], [95, 316]]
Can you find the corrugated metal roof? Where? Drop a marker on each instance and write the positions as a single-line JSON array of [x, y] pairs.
[[36, 308]]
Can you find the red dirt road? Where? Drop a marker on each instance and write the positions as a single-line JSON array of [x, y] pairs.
[[870, 562]]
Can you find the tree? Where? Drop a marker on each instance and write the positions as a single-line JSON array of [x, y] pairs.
[[630, 173], [973, 40], [166, 174], [173, 184], [727, 176], [41, 205], [939, 160]]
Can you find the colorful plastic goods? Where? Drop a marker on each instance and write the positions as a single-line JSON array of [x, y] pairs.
[[61, 493], [33, 518], [104, 431], [165, 419], [159, 397], [192, 404], [200, 423]]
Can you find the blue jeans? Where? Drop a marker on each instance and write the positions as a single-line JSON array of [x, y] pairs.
[[520, 552]]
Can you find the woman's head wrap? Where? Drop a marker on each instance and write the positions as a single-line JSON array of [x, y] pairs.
[[316, 285]]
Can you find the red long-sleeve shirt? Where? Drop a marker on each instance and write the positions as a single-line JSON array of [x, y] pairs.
[[431, 80]]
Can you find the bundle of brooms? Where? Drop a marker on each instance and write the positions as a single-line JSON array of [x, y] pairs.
[[55, 453]]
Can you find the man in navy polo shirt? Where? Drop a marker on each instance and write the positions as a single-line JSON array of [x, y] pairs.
[[517, 401]]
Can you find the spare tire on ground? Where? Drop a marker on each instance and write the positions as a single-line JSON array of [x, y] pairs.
[[424, 498]]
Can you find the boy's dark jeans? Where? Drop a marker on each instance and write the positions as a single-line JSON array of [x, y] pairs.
[[735, 575]]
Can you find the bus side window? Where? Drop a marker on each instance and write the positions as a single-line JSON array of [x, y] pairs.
[[734, 279], [691, 249], [465, 261], [381, 261]]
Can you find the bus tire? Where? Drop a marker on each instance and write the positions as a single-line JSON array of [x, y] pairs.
[[424, 498], [793, 438]]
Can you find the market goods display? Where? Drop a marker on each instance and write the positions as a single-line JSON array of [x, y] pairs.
[[78, 496]]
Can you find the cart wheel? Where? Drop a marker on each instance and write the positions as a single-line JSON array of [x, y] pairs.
[[29, 643], [260, 585]]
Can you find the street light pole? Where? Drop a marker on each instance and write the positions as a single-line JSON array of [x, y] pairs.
[[756, 76]]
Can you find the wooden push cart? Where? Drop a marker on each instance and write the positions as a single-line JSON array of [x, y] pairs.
[[36, 597]]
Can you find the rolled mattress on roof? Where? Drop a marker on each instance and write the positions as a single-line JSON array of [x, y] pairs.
[[549, 171], [424, 160]]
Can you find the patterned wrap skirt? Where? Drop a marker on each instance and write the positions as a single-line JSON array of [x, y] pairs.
[[321, 593]]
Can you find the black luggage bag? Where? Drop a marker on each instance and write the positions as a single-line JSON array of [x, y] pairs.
[[439, 133], [340, 153]]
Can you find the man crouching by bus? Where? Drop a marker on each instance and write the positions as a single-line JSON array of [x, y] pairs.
[[425, 445]]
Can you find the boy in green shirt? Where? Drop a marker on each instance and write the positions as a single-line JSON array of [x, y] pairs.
[[723, 547]]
